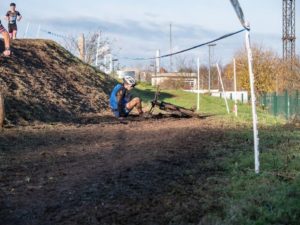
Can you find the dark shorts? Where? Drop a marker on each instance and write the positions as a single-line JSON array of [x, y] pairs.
[[117, 114], [12, 28], [2, 29]]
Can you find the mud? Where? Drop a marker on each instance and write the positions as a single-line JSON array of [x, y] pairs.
[[159, 171]]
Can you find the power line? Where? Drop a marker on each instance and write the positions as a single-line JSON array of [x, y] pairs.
[[54, 34], [191, 48]]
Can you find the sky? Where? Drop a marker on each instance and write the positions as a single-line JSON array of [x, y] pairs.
[[138, 28]]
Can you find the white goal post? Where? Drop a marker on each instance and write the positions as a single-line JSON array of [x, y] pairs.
[[240, 14]]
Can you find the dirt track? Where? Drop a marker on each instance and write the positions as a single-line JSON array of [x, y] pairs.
[[154, 172]]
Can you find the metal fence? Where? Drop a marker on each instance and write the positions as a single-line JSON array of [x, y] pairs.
[[285, 104]]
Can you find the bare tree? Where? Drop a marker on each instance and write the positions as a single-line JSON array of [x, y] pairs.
[[186, 64], [95, 42]]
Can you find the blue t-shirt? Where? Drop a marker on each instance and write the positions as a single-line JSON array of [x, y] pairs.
[[114, 103]]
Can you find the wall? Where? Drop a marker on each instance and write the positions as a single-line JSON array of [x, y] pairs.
[[242, 96]]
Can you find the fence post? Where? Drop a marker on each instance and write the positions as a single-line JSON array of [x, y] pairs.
[[265, 100], [2, 111], [275, 104], [243, 98], [286, 104]]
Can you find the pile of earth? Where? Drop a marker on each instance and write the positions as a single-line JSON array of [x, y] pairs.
[[42, 83]]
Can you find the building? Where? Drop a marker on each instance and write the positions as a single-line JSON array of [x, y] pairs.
[[186, 81], [140, 76], [121, 74]]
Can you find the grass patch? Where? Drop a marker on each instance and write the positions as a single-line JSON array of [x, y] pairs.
[[208, 104], [273, 197]]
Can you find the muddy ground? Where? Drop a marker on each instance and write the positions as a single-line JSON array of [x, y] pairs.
[[150, 172]]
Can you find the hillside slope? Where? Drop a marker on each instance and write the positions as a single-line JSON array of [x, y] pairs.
[[42, 82]]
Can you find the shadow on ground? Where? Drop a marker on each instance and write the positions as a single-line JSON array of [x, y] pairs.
[[141, 173]]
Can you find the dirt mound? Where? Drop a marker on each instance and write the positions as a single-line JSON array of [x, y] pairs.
[[43, 82]]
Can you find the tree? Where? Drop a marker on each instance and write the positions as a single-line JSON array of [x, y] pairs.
[[290, 75], [267, 70], [186, 65], [204, 77], [91, 47]]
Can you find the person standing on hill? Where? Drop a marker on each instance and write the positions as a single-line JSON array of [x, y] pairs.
[[12, 16], [121, 101], [5, 36]]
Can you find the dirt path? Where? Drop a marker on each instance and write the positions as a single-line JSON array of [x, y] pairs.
[[155, 172]]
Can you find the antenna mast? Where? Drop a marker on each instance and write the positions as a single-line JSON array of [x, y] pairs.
[[289, 30]]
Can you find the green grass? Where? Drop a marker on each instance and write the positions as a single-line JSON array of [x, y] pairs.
[[208, 104], [273, 196]]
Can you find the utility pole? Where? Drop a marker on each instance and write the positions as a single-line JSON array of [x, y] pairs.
[[198, 84], [289, 30], [171, 48], [157, 63], [209, 66]]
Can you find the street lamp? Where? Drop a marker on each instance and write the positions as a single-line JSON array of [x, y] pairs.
[[209, 66]]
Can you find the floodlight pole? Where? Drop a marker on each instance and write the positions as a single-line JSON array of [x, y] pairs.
[[253, 101]]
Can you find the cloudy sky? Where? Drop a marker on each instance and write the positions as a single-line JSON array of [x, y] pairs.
[[138, 27]]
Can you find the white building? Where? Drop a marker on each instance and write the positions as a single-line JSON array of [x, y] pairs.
[[188, 80], [121, 74]]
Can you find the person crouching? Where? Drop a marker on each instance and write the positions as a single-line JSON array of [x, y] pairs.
[[121, 102]]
